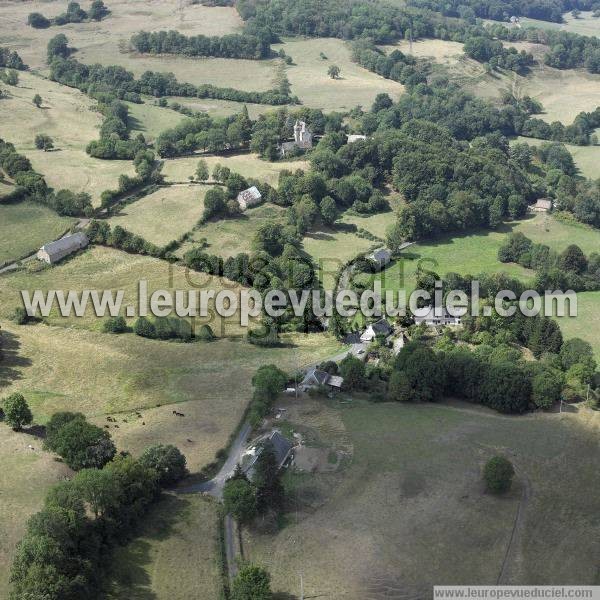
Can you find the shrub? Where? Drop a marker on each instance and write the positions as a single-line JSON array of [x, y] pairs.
[[498, 474], [205, 333], [144, 328], [115, 325], [20, 316], [16, 412]]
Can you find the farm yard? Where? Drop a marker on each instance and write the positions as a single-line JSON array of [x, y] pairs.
[[164, 215], [412, 493]]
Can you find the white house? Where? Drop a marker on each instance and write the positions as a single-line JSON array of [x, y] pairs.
[[381, 327], [249, 197], [55, 251], [427, 315]]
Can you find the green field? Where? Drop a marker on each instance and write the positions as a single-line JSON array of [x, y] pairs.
[[71, 119], [584, 24], [586, 157], [164, 215], [248, 165], [222, 108], [587, 322], [412, 494], [310, 82], [174, 555], [229, 237], [150, 119], [26, 226]]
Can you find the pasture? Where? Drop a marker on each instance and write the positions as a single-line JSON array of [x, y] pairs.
[[150, 119], [104, 268], [248, 165], [228, 237], [310, 82], [584, 24], [173, 557], [70, 118], [26, 226], [587, 322], [109, 38], [58, 368], [164, 215], [411, 499], [222, 108]]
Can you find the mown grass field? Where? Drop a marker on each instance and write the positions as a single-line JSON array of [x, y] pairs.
[[222, 108], [587, 323], [248, 165], [26, 226], [584, 24], [229, 237], [412, 495], [105, 39], [164, 215], [174, 555], [71, 120], [310, 82]]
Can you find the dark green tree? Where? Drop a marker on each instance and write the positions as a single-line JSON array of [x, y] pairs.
[[16, 411], [498, 474]]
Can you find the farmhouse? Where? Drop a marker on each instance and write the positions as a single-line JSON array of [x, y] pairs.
[[381, 327], [542, 205], [381, 257], [315, 378], [249, 197], [428, 316], [55, 251], [282, 448], [302, 139]]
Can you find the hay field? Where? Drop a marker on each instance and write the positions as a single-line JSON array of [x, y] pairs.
[[585, 24], [26, 226], [310, 82], [441, 51], [104, 39], [229, 237], [375, 224], [587, 322], [24, 479], [248, 165], [173, 557], [70, 119], [164, 215], [411, 499]]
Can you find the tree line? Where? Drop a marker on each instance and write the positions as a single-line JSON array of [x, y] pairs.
[[233, 45], [64, 551], [73, 14]]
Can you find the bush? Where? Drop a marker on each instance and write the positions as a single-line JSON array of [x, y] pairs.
[[205, 333], [114, 325], [20, 316], [16, 412], [498, 474], [144, 328]]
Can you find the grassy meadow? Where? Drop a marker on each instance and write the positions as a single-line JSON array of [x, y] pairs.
[[72, 121], [173, 557], [411, 494], [26, 226], [584, 24], [150, 119], [109, 38], [164, 215], [310, 82], [222, 108], [228, 237], [248, 165]]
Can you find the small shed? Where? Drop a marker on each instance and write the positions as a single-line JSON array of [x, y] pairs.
[[381, 257], [249, 197], [57, 250]]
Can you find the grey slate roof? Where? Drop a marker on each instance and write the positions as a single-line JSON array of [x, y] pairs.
[[67, 244]]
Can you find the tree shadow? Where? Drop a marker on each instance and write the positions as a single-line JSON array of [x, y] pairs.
[[135, 124], [285, 596], [127, 574], [11, 362]]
